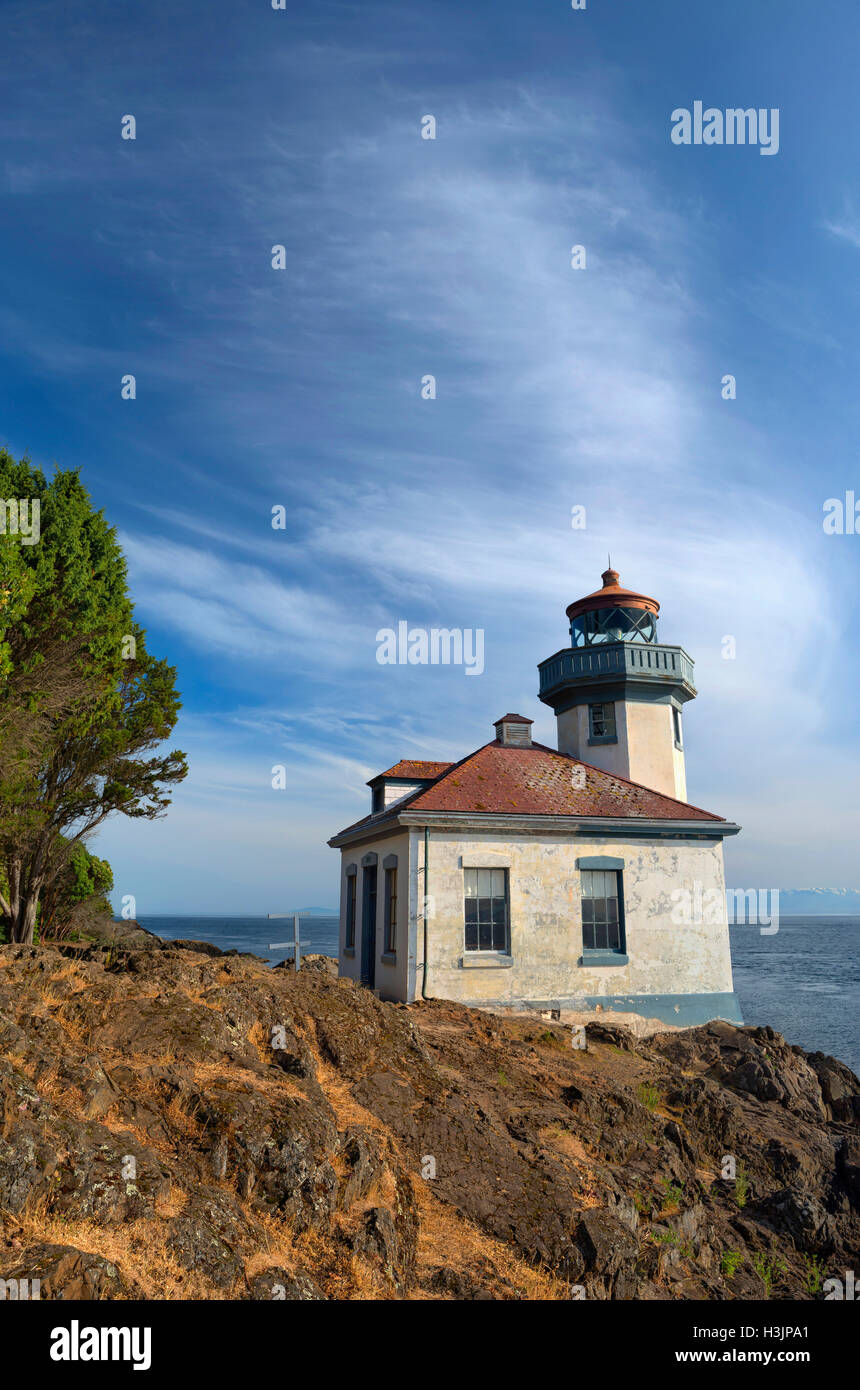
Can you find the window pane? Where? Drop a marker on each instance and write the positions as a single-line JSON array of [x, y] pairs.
[[587, 883], [485, 911], [499, 936], [498, 889], [471, 936], [587, 911], [485, 883], [588, 936], [485, 936], [471, 876], [499, 913], [471, 910]]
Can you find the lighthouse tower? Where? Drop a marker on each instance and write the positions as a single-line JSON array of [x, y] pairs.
[[617, 692]]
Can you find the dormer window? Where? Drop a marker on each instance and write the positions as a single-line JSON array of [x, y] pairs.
[[404, 779]]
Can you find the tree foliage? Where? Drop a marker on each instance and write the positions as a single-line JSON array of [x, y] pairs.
[[84, 707], [77, 891]]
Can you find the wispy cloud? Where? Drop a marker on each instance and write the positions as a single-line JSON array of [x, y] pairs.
[[847, 230]]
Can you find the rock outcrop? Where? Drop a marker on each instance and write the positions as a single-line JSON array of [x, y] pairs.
[[180, 1123]]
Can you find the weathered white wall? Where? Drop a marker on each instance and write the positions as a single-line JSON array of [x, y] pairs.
[[645, 751], [392, 977], [546, 921], [573, 740], [654, 760]]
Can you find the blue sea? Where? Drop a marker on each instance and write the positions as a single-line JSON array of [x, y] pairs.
[[317, 934], [804, 981]]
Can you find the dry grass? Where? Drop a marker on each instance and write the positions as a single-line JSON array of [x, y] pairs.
[[272, 1083], [279, 1246], [338, 1271], [345, 1107], [260, 1039], [562, 1141], [69, 970], [182, 1121], [50, 1086], [139, 1249], [446, 1238], [173, 1202]]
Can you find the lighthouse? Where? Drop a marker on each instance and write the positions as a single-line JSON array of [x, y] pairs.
[[573, 880], [618, 693]]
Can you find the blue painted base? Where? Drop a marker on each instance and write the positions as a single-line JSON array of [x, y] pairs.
[[683, 1010]]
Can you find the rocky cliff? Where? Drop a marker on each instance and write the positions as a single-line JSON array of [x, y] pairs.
[[177, 1123]]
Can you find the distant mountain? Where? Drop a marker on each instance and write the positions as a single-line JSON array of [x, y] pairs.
[[818, 902]]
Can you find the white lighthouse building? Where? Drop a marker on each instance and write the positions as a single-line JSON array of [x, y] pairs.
[[574, 878]]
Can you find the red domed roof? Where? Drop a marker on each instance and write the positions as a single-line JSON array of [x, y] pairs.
[[611, 596]]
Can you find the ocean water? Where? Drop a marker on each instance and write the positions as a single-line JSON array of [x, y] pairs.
[[255, 934], [804, 981]]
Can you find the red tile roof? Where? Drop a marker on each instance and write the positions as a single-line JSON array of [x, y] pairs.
[[537, 781]]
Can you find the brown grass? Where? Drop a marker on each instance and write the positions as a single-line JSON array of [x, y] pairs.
[[562, 1141], [448, 1238], [139, 1249], [346, 1108]]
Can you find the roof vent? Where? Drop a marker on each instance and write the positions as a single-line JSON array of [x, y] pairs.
[[514, 731]]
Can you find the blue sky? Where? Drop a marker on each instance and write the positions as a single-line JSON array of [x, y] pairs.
[[301, 388]]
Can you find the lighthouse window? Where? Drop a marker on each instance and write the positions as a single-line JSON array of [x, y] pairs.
[[601, 721], [613, 625], [676, 721], [602, 927], [486, 909]]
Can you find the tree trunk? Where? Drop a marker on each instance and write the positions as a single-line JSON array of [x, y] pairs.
[[23, 904], [24, 920]]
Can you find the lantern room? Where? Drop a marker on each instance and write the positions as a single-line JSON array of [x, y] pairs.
[[612, 614]]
